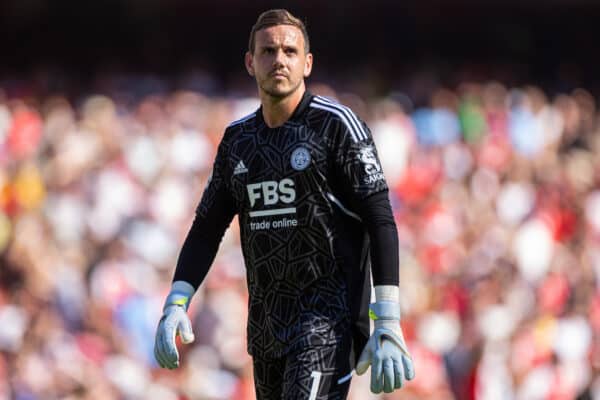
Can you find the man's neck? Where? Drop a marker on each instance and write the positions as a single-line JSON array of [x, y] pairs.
[[277, 111]]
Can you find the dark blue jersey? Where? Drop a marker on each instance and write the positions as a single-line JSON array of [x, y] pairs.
[[297, 190]]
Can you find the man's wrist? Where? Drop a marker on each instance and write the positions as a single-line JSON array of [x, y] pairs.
[[387, 293], [180, 295], [387, 305], [385, 312]]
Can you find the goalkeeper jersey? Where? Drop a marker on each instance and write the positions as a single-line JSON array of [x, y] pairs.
[[296, 189]]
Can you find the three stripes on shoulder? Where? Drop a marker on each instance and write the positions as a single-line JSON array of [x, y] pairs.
[[349, 119]]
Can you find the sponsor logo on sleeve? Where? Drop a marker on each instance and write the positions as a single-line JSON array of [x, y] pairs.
[[372, 168]]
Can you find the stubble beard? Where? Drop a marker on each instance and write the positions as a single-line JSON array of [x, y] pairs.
[[279, 94]]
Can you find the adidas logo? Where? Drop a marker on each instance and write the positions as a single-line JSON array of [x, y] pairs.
[[240, 168]]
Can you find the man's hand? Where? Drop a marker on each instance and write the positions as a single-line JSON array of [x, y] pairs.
[[174, 321], [386, 351]]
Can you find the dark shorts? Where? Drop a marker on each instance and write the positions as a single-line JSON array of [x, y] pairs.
[[317, 373]]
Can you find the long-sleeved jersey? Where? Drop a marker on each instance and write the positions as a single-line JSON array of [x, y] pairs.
[[297, 190]]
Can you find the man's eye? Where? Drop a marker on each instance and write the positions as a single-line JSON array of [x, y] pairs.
[[290, 51]]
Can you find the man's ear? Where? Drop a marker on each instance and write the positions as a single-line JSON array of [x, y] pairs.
[[249, 62], [308, 65]]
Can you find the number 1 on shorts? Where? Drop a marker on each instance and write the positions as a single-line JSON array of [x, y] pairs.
[[316, 375]]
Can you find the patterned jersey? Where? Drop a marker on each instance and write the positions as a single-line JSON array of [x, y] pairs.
[[296, 190]]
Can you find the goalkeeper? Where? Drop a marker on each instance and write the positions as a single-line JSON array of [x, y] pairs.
[[303, 176]]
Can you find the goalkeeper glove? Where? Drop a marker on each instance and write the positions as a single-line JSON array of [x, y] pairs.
[[174, 321], [386, 351]]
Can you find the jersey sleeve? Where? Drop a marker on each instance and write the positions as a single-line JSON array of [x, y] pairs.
[[217, 202], [356, 158], [213, 216], [366, 191]]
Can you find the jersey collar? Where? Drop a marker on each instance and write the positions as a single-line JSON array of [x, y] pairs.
[[302, 106], [298, 112]]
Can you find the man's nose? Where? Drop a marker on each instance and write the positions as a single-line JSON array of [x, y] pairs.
[[279, 58]]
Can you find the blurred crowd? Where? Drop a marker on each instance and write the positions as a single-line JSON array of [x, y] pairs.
[[496, 194]]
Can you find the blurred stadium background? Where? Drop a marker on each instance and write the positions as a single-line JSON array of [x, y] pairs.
[[486, 118]]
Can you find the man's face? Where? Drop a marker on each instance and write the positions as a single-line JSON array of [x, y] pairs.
[[279, 62]]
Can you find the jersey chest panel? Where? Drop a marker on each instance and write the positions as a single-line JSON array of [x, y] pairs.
[[278, 177]]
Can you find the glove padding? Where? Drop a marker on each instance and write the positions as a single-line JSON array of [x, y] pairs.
[[388, 357], [174, 321]]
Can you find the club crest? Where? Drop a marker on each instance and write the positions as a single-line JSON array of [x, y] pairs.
[[300, 159]]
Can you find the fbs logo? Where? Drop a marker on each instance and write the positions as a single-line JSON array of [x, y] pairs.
[[272, 192]]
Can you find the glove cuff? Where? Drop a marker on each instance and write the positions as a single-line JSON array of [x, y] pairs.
[[384, 310], [180, 295]]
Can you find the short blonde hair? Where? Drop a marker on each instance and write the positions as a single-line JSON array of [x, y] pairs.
[[273, 18]]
